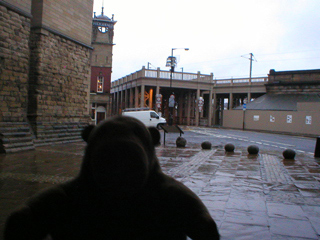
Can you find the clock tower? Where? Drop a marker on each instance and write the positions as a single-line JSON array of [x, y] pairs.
[[101, 66]]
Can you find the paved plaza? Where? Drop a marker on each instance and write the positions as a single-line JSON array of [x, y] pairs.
[[249, 196]]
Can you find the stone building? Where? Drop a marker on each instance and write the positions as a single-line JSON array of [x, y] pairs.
[[150, 88], [101, 66], [285, 102], [291, 105], [45, 49]]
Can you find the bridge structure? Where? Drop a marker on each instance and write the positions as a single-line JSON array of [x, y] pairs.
[[178, 96]]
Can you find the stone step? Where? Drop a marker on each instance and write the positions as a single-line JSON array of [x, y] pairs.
[[9, 129], [15, 137], [19, 149], [43, 142], [18, 145], [58, 133], [9, 139]]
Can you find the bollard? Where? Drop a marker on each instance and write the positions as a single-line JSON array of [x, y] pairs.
[[181, 142], [206, 145], [253, 149], [317, 148], [289, 154], [229, 147]]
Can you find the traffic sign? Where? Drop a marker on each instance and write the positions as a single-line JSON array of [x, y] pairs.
[[244, 106]]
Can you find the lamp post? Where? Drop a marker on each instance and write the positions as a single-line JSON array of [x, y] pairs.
[[172, 62]]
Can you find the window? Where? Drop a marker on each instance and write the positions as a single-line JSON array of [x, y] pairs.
[[153, 115], [100, 83]]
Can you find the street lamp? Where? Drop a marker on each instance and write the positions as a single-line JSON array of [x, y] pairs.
[[172, 62]]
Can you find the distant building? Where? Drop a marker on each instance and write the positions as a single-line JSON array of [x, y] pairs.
[[178, 95], [291, 105], [101, 66]]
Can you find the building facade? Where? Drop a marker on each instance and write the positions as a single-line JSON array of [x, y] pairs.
[[101, 67], [189, 98], [45, 49], [284, 102]]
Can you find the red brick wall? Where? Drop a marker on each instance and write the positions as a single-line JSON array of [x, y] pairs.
[[106, 73]]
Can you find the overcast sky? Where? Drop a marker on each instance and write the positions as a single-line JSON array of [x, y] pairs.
[[281, 34]]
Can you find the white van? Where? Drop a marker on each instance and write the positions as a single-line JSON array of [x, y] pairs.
[[149, 118]]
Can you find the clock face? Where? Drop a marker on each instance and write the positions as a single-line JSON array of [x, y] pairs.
[[103, 29]]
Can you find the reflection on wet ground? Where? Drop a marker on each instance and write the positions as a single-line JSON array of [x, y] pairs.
[[253, 196], [249, 196]]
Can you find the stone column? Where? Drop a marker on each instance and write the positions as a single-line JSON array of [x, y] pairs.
[[210, 108], [189, 108], [121, 98], [197, 108], [214, 108], [125, 97], [157, 92], [131, 97], [142, 96], [230, 101], [136, 97]]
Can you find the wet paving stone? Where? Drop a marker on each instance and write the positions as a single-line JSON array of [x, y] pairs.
[[231, 231], [288, 211], [250, 196], [292, 228], [247, 195]]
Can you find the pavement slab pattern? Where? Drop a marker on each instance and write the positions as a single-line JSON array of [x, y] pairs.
[[249, 196]]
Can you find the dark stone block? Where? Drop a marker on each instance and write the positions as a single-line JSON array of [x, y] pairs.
[[253, 149], [181, 142], [229, 147], [206, 145], [289, 154]]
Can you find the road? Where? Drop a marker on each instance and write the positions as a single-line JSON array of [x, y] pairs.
[[265, 141]]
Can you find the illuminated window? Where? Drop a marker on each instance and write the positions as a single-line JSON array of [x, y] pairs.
[[100, 83]]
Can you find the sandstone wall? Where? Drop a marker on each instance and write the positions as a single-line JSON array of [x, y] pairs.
[[72, 18], [14, 65], [59, 79], [44, 71]]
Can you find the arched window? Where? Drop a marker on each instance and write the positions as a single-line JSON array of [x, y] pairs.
[[100, 81]]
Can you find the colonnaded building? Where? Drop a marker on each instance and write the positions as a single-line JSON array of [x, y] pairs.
[[285, 101], [45, 50]]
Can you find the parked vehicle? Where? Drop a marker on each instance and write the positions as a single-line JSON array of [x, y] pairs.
[[149, 117]]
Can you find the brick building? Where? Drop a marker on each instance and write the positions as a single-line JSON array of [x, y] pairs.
[[45, 49]]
